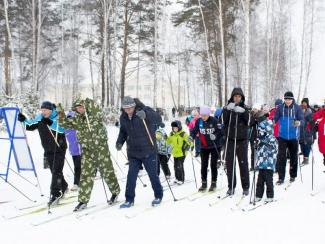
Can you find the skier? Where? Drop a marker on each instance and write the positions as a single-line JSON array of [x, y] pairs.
[[196, 116], [253, 123], [319, 119], [266, 155], [276, 126], [138, 124], [75, 152], [306, 131], [290, 117], [210, 135], [181, 143], [54, 145], [164, 152], [174, 112], [236, 119], [92, 136]]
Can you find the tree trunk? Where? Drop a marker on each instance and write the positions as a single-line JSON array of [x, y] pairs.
[[125, 51], [155, 57], [223, 90]]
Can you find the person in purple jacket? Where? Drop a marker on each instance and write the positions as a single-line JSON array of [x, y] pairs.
[[75, 151]]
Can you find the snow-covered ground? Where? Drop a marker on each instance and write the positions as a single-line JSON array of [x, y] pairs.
[[297, 217]]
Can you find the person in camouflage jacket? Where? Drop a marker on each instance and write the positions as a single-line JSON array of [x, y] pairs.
[[93, 138]]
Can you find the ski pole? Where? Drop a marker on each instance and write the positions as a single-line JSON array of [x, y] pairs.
[[28, 147], [104, 188], [234, 159], [170, 189], [115, 160], [226, 149], [312, 168], [194, 170], [143, 184], [56, 142]]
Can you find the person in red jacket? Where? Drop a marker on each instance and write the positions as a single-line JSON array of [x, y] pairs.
[[271, 115], [278, 102], [319, 118]]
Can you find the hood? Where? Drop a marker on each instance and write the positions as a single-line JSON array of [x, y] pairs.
[[237, 91]]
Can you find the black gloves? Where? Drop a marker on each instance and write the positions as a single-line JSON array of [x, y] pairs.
[[47, 121], [21, 117]]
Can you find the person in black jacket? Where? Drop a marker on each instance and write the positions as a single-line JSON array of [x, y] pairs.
[[138, 125], [210, 135], [253, 124], [237, 110], [54, 144]]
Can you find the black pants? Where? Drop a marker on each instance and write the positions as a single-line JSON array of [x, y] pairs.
[[77, 169], [179, 168], [163, 162], [56, 162], [241, 153], [292, 146], [265, 177], [205, 155]]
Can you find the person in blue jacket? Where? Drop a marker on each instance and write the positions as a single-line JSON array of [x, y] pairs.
[[75, 152], [54, 144], [138, 126], [290, 117]]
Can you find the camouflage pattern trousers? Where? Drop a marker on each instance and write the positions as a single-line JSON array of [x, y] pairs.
[[94, 159]]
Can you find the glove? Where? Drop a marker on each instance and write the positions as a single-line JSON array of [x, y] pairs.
[[231, 106], [239, 109], [261, 119], [61, 115], [141, 114], [296, 123], [190, 139], [21, 117], [213, 137], [59, 108], [118, 146], [158, 136], [47, 121]]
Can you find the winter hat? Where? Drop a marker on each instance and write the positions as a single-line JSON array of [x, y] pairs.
[[71, 114], [288, 95], [205, 110], [177, 124], [278, 102], [77, 102], [257, 106], [128, 102], [265, 108], [218, 112], [48, 105], [305, 100]]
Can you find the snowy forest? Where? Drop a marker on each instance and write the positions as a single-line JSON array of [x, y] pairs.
[[169, 53]]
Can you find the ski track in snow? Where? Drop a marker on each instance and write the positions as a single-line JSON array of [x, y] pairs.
[[297, 218]]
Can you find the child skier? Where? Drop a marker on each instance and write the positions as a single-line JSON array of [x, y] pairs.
[[164, 152], [181, 143], [210, 135], [267, 149]]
